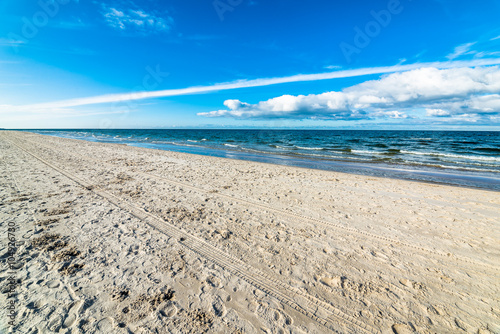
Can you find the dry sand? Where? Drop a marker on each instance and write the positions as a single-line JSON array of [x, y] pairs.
[[117, 239]]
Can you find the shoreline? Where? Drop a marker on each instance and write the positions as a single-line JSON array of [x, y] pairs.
[[196, 243], [434, 175], [490, 184]]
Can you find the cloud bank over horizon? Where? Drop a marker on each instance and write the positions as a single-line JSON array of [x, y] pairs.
[[468, 94]]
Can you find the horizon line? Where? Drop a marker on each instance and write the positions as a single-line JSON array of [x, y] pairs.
[[250, 128]]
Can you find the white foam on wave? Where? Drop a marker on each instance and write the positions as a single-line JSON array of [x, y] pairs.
[[310, 148], [458, 168], [366, 152], [455, 156], [330, 156], [280, 147]]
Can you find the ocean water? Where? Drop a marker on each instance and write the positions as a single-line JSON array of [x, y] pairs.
[[451, 157]]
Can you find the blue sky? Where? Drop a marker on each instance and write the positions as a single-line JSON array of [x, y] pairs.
[[393, 64]]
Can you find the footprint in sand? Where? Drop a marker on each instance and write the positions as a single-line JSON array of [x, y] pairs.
[[35, 330], [70, 320], [463, 326], [401, 329], [72, 316], [437, 309], [53, 284], [219, 308], [76, 306], [55, 324], [333, 282], [169, 311], [214, 281], [406, 282], [288, 319], [106, 325], [253, 306], [37, 304]]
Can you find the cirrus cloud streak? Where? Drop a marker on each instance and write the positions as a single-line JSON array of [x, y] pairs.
[[119, 98]]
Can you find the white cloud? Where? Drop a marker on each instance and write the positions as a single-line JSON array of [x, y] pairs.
[[480, 104], [333, 67], [11, 42], [391, 114], [476, 50], [464, 49], [437, 112], [136, 20], [442, 92]]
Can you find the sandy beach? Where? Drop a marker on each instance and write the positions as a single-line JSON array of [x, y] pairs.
[[117, 239]]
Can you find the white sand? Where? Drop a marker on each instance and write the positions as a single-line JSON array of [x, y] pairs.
[[129, 240]]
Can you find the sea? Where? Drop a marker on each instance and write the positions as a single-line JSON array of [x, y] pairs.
[[462, 158]]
